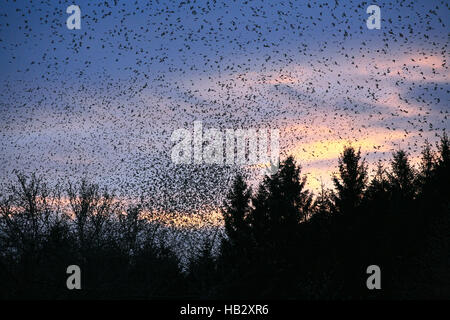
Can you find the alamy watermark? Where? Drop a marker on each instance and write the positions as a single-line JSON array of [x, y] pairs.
[[374, 20], [227, 147], [74, 280], [74, 20]]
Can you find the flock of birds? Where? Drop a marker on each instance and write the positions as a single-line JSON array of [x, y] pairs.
[[102, 102]]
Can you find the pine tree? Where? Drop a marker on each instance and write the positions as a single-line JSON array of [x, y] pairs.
[[402, 178], [235, 212], [280, 204], [444, 150], [377, 192], [443, 173], [351, 183], [323, 203], [427, 173], [427, 161]]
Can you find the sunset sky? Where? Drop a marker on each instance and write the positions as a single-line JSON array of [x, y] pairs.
[[103, 101]]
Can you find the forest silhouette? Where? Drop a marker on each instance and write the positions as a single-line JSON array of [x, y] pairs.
[[280, 241]]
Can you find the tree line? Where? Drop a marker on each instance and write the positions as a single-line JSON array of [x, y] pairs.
[[280, 241]]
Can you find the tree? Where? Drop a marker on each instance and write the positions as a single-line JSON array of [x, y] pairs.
[[32, 225], [402, 178], [443, 174], [235, 213], [377, 193], [426, 177], [280, 204], [444, 151], [428, 163], [322, 203], [351, 183], [131, 225], [93, 211]]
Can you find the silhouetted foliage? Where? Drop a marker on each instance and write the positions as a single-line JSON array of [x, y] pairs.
[[386, 222], [351, 182], [279, 242], [401, 179], [280, 204], [40, 238], [235, 214]]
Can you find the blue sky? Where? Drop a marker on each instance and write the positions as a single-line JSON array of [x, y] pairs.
[[103, 101]]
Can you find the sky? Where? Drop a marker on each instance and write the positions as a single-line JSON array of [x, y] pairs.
[[102, 102]]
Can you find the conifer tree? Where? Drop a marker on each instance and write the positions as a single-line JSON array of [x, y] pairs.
[[351, 182], [402, 178], [235, 213], [280, 204]]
